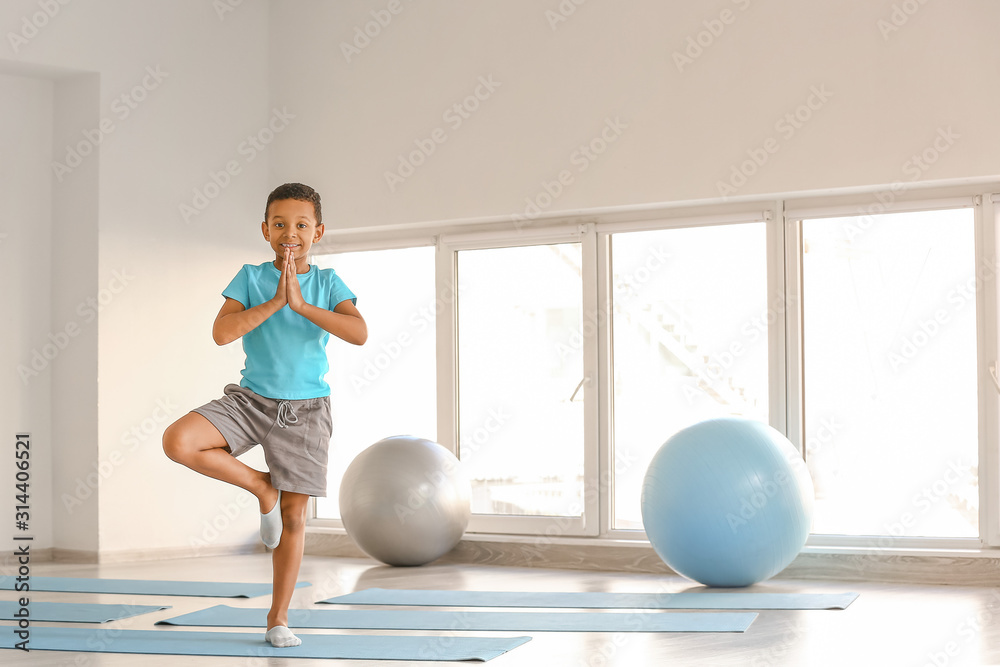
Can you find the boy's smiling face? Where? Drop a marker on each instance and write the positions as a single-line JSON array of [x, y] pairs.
[[291, 223]]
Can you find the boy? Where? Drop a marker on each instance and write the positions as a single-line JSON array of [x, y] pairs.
[[285, 311]]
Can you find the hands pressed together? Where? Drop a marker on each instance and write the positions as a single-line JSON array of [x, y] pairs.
[[289, 290]]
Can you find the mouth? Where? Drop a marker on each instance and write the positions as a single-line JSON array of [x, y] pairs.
[[291, 245]]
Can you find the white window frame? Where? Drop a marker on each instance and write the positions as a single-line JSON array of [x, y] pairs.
[[605, 232], [783, 215], [449, 245], [988, 307], [795, 214], [326, 247]]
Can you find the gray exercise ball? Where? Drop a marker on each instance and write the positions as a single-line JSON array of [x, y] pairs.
[[405, 500]]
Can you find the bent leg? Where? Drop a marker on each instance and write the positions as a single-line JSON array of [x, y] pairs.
[[195, 442]]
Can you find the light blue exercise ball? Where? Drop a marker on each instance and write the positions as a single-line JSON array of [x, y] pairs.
[[727, 502]]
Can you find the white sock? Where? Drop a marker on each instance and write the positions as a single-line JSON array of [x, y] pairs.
[[281, 637], [270, 525]]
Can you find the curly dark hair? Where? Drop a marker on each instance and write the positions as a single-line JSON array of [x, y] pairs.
[[296, 191]]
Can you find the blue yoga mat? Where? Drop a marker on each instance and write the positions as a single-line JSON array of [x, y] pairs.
[[246, 645], [215, 589], [394, 619], [76, 612], [596, 600]]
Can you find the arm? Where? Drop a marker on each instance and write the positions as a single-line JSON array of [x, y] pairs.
[[234, 320], [344, 321]]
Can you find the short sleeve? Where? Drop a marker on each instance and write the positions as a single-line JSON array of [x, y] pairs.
[[340, 292], [239, 288]]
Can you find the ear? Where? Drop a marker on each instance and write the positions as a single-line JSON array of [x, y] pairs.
[[320, 229], [264, 230]]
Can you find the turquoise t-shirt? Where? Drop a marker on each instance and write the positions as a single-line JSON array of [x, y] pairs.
[[286, 354]]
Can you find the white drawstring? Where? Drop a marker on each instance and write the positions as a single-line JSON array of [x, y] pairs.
[[286, 415]]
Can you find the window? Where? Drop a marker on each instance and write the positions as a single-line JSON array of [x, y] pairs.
[[890, 384], [387, 386], [520, 361], [556, 360], [690, 332]]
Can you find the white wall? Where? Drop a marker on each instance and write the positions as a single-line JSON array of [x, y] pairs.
[[25, 269], [75, 371], [686, 126], [194, 86], [197, 84]]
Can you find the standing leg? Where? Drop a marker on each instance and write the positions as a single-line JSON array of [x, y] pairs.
[[286, 559]]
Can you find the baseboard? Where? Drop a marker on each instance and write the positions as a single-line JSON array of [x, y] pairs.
[[135, 555], [9, 561], [326, 543], [914, 568]]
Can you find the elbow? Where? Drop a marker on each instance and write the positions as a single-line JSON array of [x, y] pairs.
[[361, 336], [221, 338]]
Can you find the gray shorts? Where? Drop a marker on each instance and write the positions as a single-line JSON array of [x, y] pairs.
[[295, 435]]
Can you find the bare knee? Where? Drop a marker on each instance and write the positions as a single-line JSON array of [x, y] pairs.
[[176, 442], [293, 514], [295, 523], [190, 435]]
